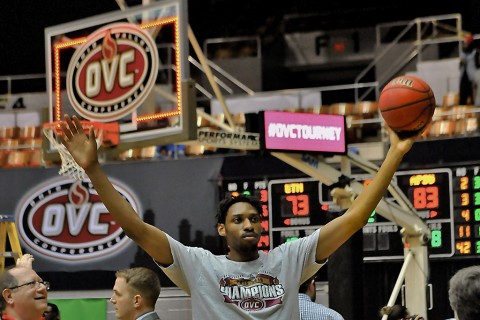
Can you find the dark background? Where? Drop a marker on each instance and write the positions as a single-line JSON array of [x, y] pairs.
[[23, 22]]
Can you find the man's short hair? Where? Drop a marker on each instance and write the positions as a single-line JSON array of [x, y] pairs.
[[54, 311], [464, 293], [226, 203], [304, 286], [7, 280], [143, 281], [397, 311]]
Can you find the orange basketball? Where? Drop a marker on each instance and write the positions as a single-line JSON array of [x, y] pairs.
[[407, 105]]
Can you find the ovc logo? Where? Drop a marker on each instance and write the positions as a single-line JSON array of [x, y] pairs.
[[64, 219], [112, 73]]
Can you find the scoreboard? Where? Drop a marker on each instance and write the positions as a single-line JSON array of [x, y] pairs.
[[447, 199], [430, 193], [466, 213]]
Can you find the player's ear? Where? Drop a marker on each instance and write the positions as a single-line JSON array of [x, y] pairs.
[[221, 229]]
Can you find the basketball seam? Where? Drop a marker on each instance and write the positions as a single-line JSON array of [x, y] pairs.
[[407, 88], [408, 105], [414, 120]]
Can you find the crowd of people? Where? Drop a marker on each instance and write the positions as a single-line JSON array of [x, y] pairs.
[[245, 282]]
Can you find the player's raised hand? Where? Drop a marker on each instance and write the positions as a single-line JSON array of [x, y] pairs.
[[82, 147], [403, 145], [25, 261]]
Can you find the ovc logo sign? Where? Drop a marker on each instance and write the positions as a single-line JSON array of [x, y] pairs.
[[64, 219], [112, 73]]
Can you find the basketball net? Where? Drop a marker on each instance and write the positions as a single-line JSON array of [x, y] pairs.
[[69, 167]]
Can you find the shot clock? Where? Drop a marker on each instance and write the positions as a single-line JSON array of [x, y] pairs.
[[297, 209], [430, 192], [297, 202]]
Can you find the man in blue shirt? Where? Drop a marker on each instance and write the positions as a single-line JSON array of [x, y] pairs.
[[309, 310]]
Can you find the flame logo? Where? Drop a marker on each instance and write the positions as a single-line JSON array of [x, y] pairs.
[[128, 59], [78, 194], [109, 47]]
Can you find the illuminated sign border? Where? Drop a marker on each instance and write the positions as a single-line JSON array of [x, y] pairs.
[[57, 47]]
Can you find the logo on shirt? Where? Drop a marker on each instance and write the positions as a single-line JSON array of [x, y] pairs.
[[252, 293]]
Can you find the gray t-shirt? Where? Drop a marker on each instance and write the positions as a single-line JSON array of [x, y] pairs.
[[266, 288]]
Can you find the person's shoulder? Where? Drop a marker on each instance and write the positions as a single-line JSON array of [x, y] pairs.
[[324, 312]]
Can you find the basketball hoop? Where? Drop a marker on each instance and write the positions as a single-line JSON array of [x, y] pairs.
[[69, 167]]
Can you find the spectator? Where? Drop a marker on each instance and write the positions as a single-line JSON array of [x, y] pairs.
[[309, 310], [135, 294], [24, 293], [464, 293], [398, 312], [469, 63], [52, 312]]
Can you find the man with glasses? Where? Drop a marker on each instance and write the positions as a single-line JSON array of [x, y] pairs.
[[24, 294]]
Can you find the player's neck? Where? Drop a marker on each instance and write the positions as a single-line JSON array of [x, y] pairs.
[[243, 256]]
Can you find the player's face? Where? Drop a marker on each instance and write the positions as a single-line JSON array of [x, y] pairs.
[[31, 299], [122, 300], [242, 230]]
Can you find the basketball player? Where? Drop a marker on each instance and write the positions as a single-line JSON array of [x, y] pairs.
[[245, 283]]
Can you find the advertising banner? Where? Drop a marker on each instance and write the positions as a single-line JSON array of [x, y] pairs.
[[66, 227]]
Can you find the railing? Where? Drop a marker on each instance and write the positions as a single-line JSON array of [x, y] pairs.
[[426, 31]]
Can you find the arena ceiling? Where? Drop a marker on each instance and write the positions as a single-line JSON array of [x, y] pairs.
[[23, 21]]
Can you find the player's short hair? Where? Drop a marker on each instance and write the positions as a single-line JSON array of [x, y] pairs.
[[226, 203]]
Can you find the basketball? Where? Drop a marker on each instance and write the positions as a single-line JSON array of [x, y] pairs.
[[407, 105]]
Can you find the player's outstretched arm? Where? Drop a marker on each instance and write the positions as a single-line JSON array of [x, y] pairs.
[[339, 230], [83, 149]]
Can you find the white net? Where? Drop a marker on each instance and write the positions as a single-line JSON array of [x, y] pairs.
[[69, 167]]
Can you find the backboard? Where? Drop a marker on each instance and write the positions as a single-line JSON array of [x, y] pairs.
[[128, 66]]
